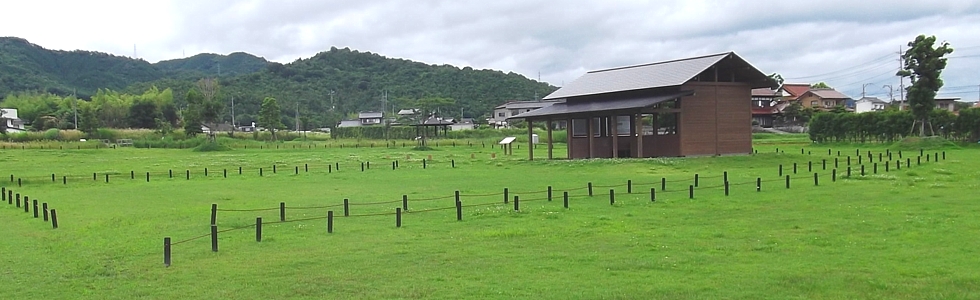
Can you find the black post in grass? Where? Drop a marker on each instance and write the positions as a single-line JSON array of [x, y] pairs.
[[214, 238], [3, 193], [880, 157], [690, 191], [697, 179], [590, 189], [405, 202], [392, 165], [205, 172], [908, 162], [787, 181], [54, 219], [424, 163], [653, 195], [329, 221], [725, 176], [329, 168], [52, 178], [296, 170], [944, 155], [44, 208], [368, 164], [239, 170], [454, 163], [258, 229], [726, 188], [862, 170], [809, 166], [848, 160], [346, 207], [224, 173], [306, 168], [27, 204], [848, 172], [875, 168], [64, 180], [106, 178], [565, 196], [506, 195], [214, 213], [921, 152], [94, 177], [336, 166], [816, 180], [888, 166], [836, 163], [758, 184], [780, 169], [398, 217], [549, 193], [517, 203], [282, 211], [457, 196], [612, 197], [794, 168], [188, 174], [260, 172], [824, 164], [166, 251], [274, 167], [171, 173], [18, 200], [147, 176], [10, 197], [663, 183], [34, 205], [833, 175], [629, 186], [362, 166], [927, 158], [459, 210], [860, 160], [20, 185]]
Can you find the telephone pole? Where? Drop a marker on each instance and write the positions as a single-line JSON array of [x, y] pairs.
[[891, 92], [74, 106], [233, 124], [901, 79], [863, 89]]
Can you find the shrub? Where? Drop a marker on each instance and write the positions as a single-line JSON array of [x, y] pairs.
[[52, 134]]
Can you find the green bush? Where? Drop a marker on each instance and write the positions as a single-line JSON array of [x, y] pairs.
[[52, 134]]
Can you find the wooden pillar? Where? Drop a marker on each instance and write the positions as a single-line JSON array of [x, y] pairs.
[[615, 136], [530, 140], [638, 124], [551, 147], [591, 133], [568, 138]]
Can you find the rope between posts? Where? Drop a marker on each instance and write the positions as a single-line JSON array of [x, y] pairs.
[[428, 210], [247, 210], [530, 193], [236, 228], [190, 239], [315, 207], [481, 195], [431, 199], [376, 203], [481, 204], [373, 215], [298, 220]]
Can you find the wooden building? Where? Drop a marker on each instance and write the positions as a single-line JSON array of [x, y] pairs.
[[688, 107]]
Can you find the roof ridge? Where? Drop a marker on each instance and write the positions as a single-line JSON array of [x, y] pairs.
[[660, 63]]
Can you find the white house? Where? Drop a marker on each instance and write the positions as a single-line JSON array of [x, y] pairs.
[[10, 121], [463, 124], [867, 104], [513, 108], [370, 118]]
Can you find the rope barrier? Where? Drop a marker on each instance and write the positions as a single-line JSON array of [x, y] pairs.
[[316, 207], [248, 210], [190, 239]]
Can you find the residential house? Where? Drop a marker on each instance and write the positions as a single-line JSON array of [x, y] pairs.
[[349, 123], [370, 118], [764, 106], [793, 91], [10, 121], [513, 108], [221, 127], [823, 99], [947, 103], [687, 107], [463, 124], [867, 104]]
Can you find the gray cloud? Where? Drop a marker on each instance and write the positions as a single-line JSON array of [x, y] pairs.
[[851, 42]]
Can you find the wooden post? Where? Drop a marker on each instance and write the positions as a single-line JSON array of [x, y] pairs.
[[214, 238], [653, 195], [530, 141], [690, 190], [726, 188], [663, 183], [398, 217], [54, 219], [549, 193], [565, 196], [214, 213], [258, 229], [591, 138], [405, 202], [459, 210], [816, 180], [629, 185], [282, 211], [166, 251], [517, 203], [551, 146], [615, 136], [787, 181], [638, 129], [346, 207], [590, 189], [758, 184], [34, 204], [612, 196], [330, 221]]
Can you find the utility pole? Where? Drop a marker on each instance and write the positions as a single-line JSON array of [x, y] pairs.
[[863, 89], [74, 106], [297, 116], [891, 95], [233, 123]]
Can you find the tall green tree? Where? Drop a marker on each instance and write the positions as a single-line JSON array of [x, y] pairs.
[[208, 106], [924, 63], [820, 85], [143, 114], [191, 116], [270, 116]]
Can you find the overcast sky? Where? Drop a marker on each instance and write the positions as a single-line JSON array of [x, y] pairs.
[[846, 43]]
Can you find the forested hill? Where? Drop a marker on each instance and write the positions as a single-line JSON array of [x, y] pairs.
[[357, 80], [29, 67]]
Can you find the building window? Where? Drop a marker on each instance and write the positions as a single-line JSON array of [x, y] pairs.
[[814, 103], [667, 123], [828, 103], [501, 114], [623, 125], [579, 128]]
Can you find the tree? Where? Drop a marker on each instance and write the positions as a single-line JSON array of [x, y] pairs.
[[820, 85], [427, 108], [191, 117], [3, 123], [924, 63], [777, 78], [270, 116], [143, 114], [209, 108], [88, 119]]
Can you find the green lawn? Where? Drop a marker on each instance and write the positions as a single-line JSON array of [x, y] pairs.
[[904, 234]]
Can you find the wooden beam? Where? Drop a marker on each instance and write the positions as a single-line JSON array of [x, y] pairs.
[[551, 146], [637, 123], [614, 120], [591, 126], [530, 140]]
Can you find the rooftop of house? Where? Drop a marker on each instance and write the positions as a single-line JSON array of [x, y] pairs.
[[828, 94], [654, 75], [369, 115], [874, 100], [526, 104], [796, 90], [765, 92]]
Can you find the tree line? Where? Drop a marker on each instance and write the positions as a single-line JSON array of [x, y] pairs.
[[893, 125]]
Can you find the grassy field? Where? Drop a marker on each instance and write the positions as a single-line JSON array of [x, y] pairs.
[[902, 234]]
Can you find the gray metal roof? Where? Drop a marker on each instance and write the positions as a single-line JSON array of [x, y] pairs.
[[526, 104], [661, 74], [565, 108], [828, 94], [369, 115]]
